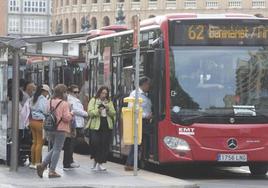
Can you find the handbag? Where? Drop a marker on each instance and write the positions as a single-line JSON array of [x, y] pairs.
[[87, 128]]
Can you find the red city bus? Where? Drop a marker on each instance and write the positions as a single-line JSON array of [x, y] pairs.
[[209, 86]]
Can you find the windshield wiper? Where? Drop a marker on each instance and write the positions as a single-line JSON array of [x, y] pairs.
[[189, 120], [186, 117], [190, 117]]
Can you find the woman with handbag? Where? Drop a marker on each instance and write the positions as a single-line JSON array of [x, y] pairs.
[[102, 113]]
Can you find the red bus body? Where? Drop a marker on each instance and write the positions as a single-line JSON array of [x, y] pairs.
[[206, 142]]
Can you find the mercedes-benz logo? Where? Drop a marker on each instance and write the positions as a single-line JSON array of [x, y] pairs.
[[232, 143], [232, 120]]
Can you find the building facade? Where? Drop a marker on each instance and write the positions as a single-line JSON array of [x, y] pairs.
[[29, 17], [3, 20], [70, 16]]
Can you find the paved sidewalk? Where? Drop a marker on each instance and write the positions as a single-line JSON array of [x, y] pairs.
[[84, 177]]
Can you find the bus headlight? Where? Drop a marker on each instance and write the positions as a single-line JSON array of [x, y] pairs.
[[176, 143]]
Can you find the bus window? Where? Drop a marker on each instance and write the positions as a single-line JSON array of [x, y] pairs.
[[209, 77]]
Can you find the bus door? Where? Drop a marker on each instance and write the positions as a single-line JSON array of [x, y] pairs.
[[122, 85], [117, 96], [152, 65]]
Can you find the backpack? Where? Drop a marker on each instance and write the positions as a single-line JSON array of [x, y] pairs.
[[50, 122]]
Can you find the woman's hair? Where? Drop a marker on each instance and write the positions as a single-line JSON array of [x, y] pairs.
[[37, 93], [59, 91], [100, 90]]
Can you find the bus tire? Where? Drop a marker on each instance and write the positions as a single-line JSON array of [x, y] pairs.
[[258, 169]]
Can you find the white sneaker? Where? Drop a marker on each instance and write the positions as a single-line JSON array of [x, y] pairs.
[[32, 166], [94, 165], [74, 165], [99, 167]]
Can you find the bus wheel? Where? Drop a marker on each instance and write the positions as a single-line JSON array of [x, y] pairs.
[[258, 169]]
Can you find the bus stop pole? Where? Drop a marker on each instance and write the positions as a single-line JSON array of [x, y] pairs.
[[15, 112], [136, 103], [50, 73]]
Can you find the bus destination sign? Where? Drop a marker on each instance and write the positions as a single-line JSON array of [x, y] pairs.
[[220, 33]]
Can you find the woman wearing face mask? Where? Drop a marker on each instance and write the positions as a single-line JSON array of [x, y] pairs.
[[102, 113], [38, 111]]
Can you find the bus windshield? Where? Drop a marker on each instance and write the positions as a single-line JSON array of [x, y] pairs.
[[215, 80]]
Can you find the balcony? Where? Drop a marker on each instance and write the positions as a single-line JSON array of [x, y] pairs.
[[106, 7], [235, 4], [171, 4], [135, 5], [258, 3], [68, 9], [94, 7], [152, 5], [120, 4], [75, 9], [212, 4], [84, 8]]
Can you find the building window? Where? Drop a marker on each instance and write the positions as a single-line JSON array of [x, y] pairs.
[[33, 25], [106, 21], [67, 2], [14, 5], [74, 2], [234, 4], [35, 6], [106, 1], [74, 26], [14, 25], [190, 4], [94, 1], [258, 3], [212, 4], [94, 23], [84, 2]]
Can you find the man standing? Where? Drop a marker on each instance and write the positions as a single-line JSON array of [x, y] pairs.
[[144, 87], [77, 126]]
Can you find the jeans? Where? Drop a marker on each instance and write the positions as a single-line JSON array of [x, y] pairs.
[[57, 138]]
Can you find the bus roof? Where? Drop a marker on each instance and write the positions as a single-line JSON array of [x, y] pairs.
[[184, 16], [116, 28], [155, 22]]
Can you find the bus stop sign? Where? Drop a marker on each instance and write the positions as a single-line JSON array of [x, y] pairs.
[[136, 30]]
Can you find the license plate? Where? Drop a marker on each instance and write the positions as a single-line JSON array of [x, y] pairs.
[[232, 157]]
